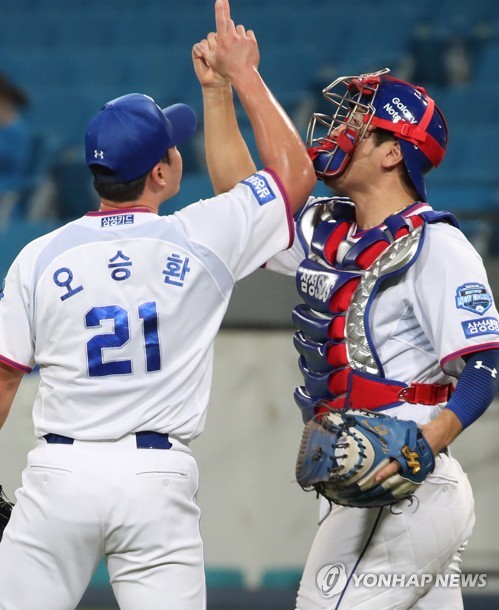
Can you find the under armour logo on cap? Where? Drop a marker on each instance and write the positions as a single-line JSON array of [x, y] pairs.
[[98, 154]]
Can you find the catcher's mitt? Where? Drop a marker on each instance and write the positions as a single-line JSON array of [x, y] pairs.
[[342, 451], [5, 509]]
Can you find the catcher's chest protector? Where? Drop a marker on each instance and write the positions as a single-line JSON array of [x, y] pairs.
[[338, 282]]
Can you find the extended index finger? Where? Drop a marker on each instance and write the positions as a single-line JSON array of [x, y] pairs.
[[222, 15]]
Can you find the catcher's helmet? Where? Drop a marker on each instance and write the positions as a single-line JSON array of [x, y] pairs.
[[383, 102]]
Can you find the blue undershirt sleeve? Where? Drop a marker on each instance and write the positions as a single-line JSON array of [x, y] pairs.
[[477, 386]]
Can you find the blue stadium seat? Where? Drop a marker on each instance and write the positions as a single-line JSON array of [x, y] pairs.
[[288, 70], [38, 69], [224, 578], [143, 26], [62, 114], [474, 103], [488, 65], [462, 196], [82, 27], [475, 204], [26, 30], [472, 153], [373, 35], [281, 578], [462, 13], [165, 72]]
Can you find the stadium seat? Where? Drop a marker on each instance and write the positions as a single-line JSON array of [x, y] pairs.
[[471, 153], [288, 70], [462, 13], [23, 30], [462, 196], [488, 64], [281, 578], [224, 578], [62, 114]]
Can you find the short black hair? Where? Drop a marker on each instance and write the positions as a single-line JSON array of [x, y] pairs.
[[120, 192]]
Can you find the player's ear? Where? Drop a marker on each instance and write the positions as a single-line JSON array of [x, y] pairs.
[[158, 175], [392, 154]]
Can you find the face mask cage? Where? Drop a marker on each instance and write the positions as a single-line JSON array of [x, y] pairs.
[[352, 98]]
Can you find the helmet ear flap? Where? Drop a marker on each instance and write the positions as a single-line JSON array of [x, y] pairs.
[[417, 166]]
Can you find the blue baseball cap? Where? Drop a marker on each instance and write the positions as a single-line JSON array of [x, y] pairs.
[[131, 133]]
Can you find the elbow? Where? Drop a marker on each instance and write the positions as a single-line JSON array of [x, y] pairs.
[[300, 185], [310, 177]]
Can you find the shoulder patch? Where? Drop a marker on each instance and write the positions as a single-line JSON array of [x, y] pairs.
[[473, 297], [260, 187]]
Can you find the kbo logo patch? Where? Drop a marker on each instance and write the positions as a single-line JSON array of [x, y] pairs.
[[473, 297]]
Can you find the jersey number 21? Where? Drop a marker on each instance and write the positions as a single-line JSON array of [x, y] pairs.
[[147, 313]]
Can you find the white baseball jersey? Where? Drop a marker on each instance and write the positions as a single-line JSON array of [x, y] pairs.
[[120, 310]]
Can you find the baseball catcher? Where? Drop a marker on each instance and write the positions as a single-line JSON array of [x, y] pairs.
[[342, 451], [5, 510]]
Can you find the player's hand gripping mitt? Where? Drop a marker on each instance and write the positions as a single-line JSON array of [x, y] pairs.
[[342, 451], [5, 509]]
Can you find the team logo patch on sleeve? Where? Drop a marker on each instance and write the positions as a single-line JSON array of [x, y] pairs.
[[483, 326], [260, 187], [473, 297]]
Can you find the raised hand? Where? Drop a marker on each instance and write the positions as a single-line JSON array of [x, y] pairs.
[[231, 52], [207, 76]]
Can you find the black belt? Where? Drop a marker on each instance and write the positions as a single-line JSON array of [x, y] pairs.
[[144, 440]]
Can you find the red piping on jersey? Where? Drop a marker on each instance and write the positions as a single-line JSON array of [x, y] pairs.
[[15, 365], [289, 213], [120, 211], [468, 350]]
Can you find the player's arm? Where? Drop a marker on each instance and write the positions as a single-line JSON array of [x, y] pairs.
[[227, 156], [10, 378], [477, 386], [236, 57]]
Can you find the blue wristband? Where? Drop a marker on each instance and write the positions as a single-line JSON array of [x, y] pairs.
[[477, 386]]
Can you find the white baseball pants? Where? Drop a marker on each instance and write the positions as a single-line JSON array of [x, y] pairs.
[[79, 502], [425, 537]]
